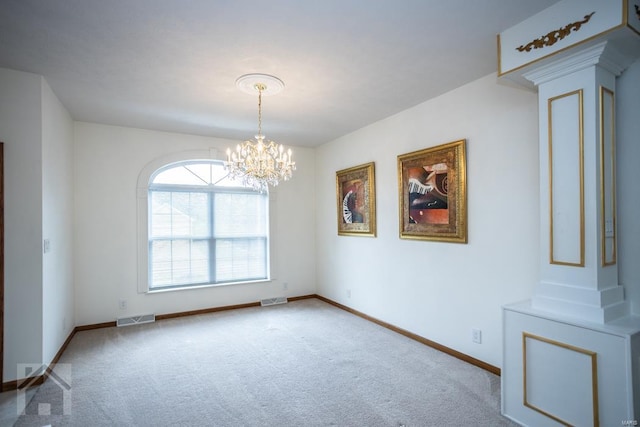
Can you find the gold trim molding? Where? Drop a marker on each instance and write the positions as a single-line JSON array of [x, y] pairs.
[[555, 36], [612, 259], [594, 376], [581, 243]]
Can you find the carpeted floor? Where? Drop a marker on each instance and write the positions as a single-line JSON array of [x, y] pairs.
[[304, 363]]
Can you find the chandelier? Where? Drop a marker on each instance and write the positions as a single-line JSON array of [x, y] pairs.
[[259, 163]]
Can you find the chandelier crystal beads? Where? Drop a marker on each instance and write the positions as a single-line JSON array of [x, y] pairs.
[[259, 163]]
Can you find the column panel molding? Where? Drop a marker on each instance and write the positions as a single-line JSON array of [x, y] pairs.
[[573, 362], [566, 179], [608, 219]]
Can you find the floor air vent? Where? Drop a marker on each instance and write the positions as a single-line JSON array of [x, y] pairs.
[[273, 301], [136, 320]]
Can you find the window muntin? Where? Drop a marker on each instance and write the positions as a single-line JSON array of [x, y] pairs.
[[204, 229]]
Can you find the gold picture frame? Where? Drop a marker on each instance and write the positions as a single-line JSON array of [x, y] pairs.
[[432, 187], [356, 201]]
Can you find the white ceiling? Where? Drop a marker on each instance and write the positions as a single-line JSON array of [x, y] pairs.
[[171, 65]]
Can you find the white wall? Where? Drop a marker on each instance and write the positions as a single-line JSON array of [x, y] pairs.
[[441, 290], [108, 161], [57, 223], [20, 130], [437, 290], [628, 152]]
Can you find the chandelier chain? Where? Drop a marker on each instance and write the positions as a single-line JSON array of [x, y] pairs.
[[260, 88]]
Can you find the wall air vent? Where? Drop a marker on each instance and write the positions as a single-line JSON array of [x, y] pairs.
[[273, 301], [136, 320]]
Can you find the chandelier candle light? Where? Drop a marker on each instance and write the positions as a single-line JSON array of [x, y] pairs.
[[260, 163]]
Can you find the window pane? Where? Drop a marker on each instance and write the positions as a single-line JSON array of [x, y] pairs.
[[179, 214], [202, 171], [193, 173], [179, 262], [225, 181], [240, 215], [178, 175], [200, 212], [241, 259], [184, 223], [160, 215], [180, 220], [160, 260]]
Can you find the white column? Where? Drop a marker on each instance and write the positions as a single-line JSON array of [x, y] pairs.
[[572, 353], [578, 270]]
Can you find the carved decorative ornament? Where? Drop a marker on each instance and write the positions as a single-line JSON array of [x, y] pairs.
[[555, 36]]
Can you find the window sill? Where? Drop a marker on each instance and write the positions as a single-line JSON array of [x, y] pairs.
[[208, 285]]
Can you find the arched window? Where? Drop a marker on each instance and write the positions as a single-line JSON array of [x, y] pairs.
[[203, 228]]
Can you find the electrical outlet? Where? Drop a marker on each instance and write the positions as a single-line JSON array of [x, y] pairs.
[[285, 286], [122, 304], [348, 293], [476, 336]]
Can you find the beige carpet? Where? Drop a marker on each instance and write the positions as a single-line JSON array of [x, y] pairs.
[[305, 363]]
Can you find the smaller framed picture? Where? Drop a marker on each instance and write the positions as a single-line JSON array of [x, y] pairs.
[[356, 201], [432, 186]]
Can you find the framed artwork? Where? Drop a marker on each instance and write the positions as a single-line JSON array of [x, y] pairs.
[[356, 201], [432, 187]]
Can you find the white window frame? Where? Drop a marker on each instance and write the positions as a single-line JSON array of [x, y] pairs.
[[142, 198]]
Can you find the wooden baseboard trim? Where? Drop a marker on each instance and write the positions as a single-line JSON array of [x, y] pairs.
[[62, 349], [40, 379], [23, 383], [95, 326], [302, 297], [223, 308], [205, 311], [188, 313], [35, 381], [459, 355]]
